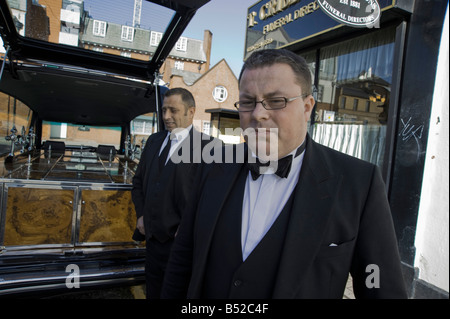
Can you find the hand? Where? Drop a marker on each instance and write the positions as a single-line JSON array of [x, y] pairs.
[[140, 225]]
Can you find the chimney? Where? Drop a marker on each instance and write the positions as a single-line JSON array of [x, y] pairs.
[[207, 42]]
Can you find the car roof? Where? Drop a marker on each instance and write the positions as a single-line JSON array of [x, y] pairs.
[[69, 83]]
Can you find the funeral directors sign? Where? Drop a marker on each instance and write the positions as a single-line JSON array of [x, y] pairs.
[[279, 23], [355, 13]]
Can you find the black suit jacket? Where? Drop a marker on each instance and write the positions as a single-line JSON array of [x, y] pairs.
[[340, 222], [160, 196]]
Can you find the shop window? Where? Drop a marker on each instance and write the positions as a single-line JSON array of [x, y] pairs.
[[355, 78]]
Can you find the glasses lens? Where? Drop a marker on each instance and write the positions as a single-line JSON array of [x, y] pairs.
[[275, 103], [244, 106]]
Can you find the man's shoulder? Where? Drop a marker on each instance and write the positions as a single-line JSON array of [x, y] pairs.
[[156, 136]]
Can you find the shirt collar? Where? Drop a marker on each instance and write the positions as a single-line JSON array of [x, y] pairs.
[[180, 134]]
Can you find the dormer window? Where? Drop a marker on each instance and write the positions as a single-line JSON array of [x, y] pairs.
[[99, 28], [155, 38], [127, 33], [181, 44]]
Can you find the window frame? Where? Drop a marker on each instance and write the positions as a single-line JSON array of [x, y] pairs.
[[127, 33], [99, 28]]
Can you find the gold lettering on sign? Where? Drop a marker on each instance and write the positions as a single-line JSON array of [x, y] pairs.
[[259, 45], [251, 19], [274, 7], [277, 23], [299, 13], [309, 8]]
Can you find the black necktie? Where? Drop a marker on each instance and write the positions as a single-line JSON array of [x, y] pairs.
[[283, 167], [164, 154]]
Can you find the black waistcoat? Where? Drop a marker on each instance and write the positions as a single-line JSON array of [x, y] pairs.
[[226, 275]]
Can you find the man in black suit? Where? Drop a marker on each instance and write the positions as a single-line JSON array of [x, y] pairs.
[[297, 233], [163, 181]]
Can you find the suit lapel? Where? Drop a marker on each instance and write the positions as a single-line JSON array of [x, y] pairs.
[[189, 150], [220, 182], [314, 196], [155, 144]]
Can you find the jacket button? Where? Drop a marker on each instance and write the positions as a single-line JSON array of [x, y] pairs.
[[237, 283]]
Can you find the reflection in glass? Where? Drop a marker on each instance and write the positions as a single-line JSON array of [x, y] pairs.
[[353, 93], [102, 26]]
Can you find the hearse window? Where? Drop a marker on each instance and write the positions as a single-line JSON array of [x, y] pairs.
[[81, 135], [142, 127], [13, 114]]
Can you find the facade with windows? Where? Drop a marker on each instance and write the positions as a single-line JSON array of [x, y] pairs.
[[189, 58], [215, 92], [374, 95]]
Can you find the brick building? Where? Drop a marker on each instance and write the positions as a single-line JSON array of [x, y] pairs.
[[215, 93]]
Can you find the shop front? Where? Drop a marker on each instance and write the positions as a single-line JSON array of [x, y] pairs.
[[374, 67]]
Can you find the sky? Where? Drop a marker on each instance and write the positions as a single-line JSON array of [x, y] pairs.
[[226, 19]]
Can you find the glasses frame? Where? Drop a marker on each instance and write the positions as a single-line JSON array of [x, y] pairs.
[[264, 103]]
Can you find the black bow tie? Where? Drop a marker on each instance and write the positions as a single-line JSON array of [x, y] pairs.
[[283, 167]]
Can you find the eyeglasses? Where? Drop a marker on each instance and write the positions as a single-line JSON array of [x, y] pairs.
[[273, 103]]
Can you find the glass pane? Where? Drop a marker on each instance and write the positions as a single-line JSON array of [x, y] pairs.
[[353, 93], [141, 128], [76, 135], [14, 121], [93, 24], [310, 58]]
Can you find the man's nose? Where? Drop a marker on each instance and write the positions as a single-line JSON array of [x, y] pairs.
[[259, 112], [167, 114]]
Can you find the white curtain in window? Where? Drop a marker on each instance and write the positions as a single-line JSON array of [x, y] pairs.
[[366, 142], [369, 56]]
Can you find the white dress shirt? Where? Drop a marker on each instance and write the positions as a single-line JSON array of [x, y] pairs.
[[264, 199], [178, 136]]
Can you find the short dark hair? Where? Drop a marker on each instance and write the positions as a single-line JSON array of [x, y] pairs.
[[269, 57], [186, 96]]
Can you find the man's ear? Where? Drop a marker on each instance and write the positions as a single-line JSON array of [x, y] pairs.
[[309, 103], [191, 112]]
